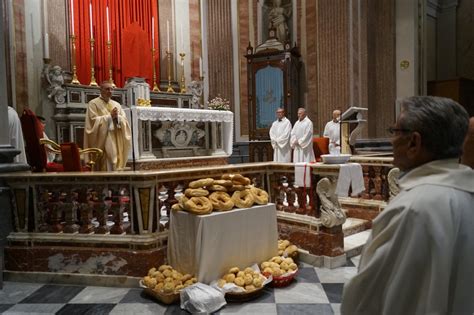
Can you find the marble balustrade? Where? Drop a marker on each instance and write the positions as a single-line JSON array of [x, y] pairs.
[[68, 220]]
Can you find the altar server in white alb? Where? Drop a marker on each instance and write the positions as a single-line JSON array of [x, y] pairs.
[[301, 140], [107, 128], [332, 130], [280, 137], [419, 258], [16, 135]]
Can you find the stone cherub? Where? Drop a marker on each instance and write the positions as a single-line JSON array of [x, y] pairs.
[[55, 78]]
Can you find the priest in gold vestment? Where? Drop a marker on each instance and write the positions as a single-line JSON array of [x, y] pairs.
[[107, 128]]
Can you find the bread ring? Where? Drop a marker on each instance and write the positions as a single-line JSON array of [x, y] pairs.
[[223, 182], [215, 187], [236, 188], [221, 201], [243, 199], [238, 179], [196, 192], [176, 207], [198, 205], [201, 183], [182, 201], [227, 176], [260, 196]]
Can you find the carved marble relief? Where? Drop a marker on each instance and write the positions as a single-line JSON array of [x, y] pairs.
[[173, 137]]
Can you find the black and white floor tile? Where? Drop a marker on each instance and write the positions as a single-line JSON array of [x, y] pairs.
[[314, 291]]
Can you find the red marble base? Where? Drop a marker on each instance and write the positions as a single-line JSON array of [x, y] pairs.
[[101, 261], [326, 242]]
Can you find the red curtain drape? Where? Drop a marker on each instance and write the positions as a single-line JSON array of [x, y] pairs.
[[130, 33]]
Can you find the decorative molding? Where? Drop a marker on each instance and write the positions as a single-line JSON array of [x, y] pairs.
[[331, 212]]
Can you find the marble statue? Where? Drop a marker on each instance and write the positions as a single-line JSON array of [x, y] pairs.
[[331, 212], [278, 17], [196, 90], [55, 78]]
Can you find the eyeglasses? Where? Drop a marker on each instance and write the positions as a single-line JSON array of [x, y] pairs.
[[392, 130]]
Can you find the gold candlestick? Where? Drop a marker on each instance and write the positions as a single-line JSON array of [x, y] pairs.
[[109, 52], [170, 88], [75, 80], [155, 85], [93, 81], [183, 81]]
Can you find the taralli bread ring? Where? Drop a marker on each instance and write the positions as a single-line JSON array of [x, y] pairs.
[[182, 201], [243, 199], [260, 196], [176, 207], [201, 183], [240, 180], [215, 187], [227, 176], [221, 201], [223, 182], [198, 205], [196, 192], [236, 188]]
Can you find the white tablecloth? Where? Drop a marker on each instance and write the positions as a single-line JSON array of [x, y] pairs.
[[208, 245]]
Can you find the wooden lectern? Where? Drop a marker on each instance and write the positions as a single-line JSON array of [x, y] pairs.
[[352, 122]]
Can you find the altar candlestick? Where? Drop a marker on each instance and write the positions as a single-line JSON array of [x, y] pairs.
[[168, 34], [182, 39], [108, 23], [153, 32], [200, 67], [46, 46], [72, 17], [90, 16]]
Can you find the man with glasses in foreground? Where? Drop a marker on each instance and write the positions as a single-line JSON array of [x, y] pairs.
[[419, 258]]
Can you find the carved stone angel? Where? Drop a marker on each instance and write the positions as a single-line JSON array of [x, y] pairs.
[[55, 78], [196, 89], [331, 212]]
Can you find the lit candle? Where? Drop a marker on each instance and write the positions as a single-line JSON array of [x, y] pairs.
[[72, 17], [46, 46], [108, 22], [153, 32], [200, 67], [168, 34], [182, 38], [90, 16]]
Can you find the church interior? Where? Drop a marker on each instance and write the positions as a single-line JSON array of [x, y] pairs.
[[98, 209]]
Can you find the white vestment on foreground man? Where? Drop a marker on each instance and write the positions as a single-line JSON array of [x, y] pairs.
[[302, 141], [280, 139], [420, 256]]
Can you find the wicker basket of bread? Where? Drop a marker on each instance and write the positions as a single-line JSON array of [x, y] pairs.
[[282, 269], [165, 283], [242, 285]]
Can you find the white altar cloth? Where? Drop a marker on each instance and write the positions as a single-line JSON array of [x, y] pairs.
[[183, 114], [208, 245]]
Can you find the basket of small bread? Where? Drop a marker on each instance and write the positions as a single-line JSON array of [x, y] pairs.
[[165, 283], [242, 285], [205, 195], [282, 269]]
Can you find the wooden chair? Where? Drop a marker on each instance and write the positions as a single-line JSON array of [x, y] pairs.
[[36, 148], [320, 147]]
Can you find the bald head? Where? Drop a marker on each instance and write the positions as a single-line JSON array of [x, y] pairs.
[[106, 89], [336, 114]]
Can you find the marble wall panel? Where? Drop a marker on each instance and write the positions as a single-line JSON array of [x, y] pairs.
[[465, 39], [244, 39]]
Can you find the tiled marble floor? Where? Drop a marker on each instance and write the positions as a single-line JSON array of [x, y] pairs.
[[314, 291]]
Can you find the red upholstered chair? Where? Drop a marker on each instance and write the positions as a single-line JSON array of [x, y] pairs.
[[35, 150], [320, 147]]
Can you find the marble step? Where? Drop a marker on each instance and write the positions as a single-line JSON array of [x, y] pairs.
[[353, 243], [354, 225]]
